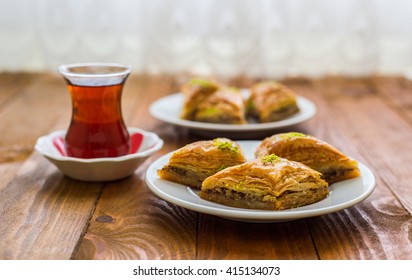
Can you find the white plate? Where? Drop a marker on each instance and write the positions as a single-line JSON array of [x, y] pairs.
[[342, 195], [168, 109]]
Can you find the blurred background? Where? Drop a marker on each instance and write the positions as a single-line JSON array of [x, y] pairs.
[[265, 38]]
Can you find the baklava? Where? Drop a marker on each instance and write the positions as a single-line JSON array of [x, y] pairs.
[[226, 106], [195, 91], [270, 183], [317, 154], [193, 163], [271, 101]]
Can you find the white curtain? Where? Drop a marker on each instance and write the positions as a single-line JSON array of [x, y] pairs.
[[273, 38]]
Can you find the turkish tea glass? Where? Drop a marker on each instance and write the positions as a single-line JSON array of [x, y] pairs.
[[97, 128]]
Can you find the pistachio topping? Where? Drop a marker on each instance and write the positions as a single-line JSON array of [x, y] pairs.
[[250, 105], [272, 158], [291, 135], [233, 89], [223, 166], [225, 145], [211, 112], [268, 83], [239, 185], [201, 82]]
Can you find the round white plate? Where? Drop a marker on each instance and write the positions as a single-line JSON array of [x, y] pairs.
[[168, 109], [342, 195]]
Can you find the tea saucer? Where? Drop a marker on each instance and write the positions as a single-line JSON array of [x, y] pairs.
[[144, 144]]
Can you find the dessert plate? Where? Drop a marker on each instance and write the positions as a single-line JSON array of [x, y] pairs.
[[342, 195], [168, 109]]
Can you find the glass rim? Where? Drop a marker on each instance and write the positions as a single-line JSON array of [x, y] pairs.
[[124, 69]]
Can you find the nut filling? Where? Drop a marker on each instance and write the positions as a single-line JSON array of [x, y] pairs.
[[288, 199]]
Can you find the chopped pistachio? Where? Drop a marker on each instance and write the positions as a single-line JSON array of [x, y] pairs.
[[270, 158], [291, 135], [268, 82], [233, 89], [250, 106], [209, 112], [223, 166], [225, 145], [201, 82], [239, 186]]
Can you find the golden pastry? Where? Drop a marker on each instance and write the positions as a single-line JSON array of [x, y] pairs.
[[225, 105], [312, 152], [195, 92], [271, 101], [193, 163], [270, 182]]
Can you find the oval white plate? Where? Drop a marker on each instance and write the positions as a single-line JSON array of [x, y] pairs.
[[342, 195], [168, 109], [98, 169]]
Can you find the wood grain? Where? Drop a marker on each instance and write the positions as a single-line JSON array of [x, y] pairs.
[[350, 111], [130, 222], [36, 199], [48, 216], [33, 207], [36, 110], [11, 86], [221, 239], [397, 93], [225, 239]]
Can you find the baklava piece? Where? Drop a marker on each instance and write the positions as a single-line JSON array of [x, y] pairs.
[[193, 163], [270, 101], [270, 183], [226, 105], [312, 152], [195, 92]]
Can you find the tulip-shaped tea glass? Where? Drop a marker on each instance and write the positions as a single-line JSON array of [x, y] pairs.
[[97, 128]]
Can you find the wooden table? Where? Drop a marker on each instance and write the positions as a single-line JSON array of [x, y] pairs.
[[45, 215]]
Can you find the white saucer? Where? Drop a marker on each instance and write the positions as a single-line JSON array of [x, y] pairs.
[[98, 169]]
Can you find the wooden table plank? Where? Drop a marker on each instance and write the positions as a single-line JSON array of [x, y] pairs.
[[222, 239], [41, 105], [11, 85], [130, 222], [396, 92], [352, 120], [381, 135], [44, 214], [48, 216], [149, 89]]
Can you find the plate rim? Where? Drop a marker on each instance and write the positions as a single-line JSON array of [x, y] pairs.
[[303, 102], [244, 214]]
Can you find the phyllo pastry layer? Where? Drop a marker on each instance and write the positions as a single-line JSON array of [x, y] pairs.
[[270, 182], [193, 163], [195, 92], [271, 101], [225, 105], [317, 154]]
